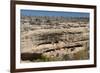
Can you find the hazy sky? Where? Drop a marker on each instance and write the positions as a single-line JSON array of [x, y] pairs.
[[52, 13]]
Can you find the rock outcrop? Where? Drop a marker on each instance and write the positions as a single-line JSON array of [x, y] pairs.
[[54, 39]]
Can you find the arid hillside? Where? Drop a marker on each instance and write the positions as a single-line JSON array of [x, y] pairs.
[[45, 38]]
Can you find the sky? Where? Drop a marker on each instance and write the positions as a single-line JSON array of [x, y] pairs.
[[52, 13]]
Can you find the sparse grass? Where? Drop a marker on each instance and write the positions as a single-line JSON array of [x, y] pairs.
[[81, 55], [66, 57], [52, 58]]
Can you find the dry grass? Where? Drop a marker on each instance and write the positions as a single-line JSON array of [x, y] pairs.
[[81, 55]]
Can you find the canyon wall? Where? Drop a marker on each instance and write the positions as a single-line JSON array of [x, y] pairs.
[[46, 38]]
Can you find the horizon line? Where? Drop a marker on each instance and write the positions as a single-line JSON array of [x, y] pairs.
[[53, 13]]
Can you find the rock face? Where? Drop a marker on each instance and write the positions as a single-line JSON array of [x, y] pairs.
[[54, 38]]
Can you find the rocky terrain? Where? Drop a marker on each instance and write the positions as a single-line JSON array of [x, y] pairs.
[[45, 38]]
